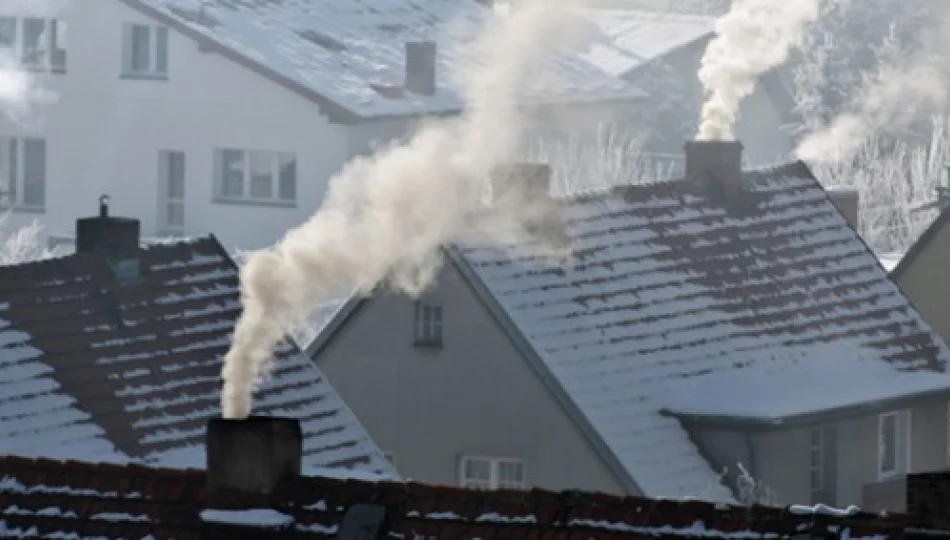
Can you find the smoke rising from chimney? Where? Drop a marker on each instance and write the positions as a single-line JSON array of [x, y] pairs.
[[752, 38], [900, 89], [386, 217]]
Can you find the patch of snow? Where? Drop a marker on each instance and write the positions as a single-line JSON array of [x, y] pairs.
[[801, 509], [890, 260], [812, 379], [260, 517]]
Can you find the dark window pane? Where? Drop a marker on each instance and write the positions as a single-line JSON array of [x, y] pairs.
[[161, 49], [8, 170], [58, 44], [34, 172], [7, 33], [262, 174], [231, 165], [288, 178], [888, 443], [34, 50], [140, 50]]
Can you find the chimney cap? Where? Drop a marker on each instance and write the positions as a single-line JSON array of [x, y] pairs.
[[104, 205]]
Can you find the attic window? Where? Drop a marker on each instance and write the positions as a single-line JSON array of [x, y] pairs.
[[428, 324], [195, 16], [322, 40]]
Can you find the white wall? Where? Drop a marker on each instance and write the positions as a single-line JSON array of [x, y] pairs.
[[104, 133]]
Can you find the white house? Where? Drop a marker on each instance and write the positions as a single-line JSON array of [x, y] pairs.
[[231, 116]]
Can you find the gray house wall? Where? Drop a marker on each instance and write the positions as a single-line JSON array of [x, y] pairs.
[[780, 458], [475, 396]]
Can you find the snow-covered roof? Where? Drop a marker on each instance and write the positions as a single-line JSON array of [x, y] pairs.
[[668, 289], [87, 363], [339, 50], [890, 260], [51, 499], [808, 381], [619, 41]]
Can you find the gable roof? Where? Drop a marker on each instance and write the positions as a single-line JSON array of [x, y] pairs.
[[73, 499], [334, 52], [668, 292], [921, 245], [620, 41], [86, 363]]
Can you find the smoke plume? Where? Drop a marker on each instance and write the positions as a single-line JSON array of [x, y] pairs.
[[385, 218], [898, 92], [752, 38], [20, 92]]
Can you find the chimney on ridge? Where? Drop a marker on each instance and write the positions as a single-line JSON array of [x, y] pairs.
[[420, 67], [846, 200], [717, 166], [533, 179], [115, 238], [253, 455]]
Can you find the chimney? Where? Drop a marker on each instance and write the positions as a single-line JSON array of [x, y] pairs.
[[534, 177], [717, 166], [420, 67], [846, 200], [519, 185], [115, 238], [253, 455]]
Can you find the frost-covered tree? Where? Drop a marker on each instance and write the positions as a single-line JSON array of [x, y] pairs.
[[24, 244]]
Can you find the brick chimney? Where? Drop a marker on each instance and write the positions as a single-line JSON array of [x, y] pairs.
[[253, 455], [846, 200], [420, 67], [717, 167], [115, 238]]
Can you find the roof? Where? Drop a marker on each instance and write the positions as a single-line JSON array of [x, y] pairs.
[[620, 41], [87, 364], [335, 52], [73, 499], [668, 290], [921, 244]]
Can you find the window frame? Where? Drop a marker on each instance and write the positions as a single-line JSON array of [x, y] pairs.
[[166, 160], [494, 466], [429, 327], [20, 173], [279, 161], [53, 40], [157, 56], [902, 449]]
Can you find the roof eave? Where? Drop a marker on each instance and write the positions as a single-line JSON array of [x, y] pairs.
[[847, 412]]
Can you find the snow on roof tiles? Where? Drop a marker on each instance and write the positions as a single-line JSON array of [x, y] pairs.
[[142, 362], [79, 500], [619, 41], [667, 288], [341, 49]]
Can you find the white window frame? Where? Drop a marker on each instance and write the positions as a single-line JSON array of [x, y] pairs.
[[902, 458], [155, 47], [816, 471], [246, 197], [429, 326], [19, 174], [493, 482], [51, 41]]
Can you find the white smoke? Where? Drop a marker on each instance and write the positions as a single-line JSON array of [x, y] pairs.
[[385, 218], [20, 90], [752, 38], [903, 87]]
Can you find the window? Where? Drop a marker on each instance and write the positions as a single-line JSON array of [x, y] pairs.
[[893, 444], [145, 51], [22, 172], [255, 176], [171, 191], [38, 43], [491, 473], [428, 324], [816, 466]]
